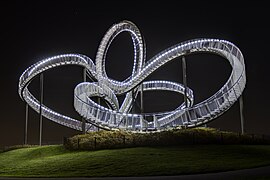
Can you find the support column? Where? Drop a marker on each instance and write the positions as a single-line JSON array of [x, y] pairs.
[[99, 104], [184, 68], [241, 103], [156, 125], [142, 110], [40, 108], [141, 122], [83, 119], [133, 102], [26, 124]]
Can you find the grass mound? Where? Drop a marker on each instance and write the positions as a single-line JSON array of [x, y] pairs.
[[10, 148], [121, 139], [56, 161]]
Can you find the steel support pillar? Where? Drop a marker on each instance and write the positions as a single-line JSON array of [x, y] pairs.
[[156, 124], [241, 103], [142, 110], [99, 104], [26, 124], [40, 108], [184, 68], [133, 102], [141, 123], [83, 119]]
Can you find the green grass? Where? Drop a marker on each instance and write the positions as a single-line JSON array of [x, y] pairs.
[[56, 161]]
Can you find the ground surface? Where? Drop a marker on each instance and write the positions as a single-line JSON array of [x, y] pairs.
[[55, 161]]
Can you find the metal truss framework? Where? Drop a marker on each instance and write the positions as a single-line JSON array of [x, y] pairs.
[[187, 115]]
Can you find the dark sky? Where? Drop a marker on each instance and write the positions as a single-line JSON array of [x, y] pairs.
[[40, 29]]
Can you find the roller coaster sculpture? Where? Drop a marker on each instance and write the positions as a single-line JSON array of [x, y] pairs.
[[187, 115]]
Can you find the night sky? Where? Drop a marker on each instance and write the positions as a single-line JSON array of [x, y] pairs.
[[40, 29]]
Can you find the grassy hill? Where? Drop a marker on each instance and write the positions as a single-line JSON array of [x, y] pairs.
[[56, 161]]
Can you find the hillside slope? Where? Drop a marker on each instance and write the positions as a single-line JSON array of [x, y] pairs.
[[56, 161]]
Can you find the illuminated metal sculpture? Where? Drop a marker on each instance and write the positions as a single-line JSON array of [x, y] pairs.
[[118, 116]]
